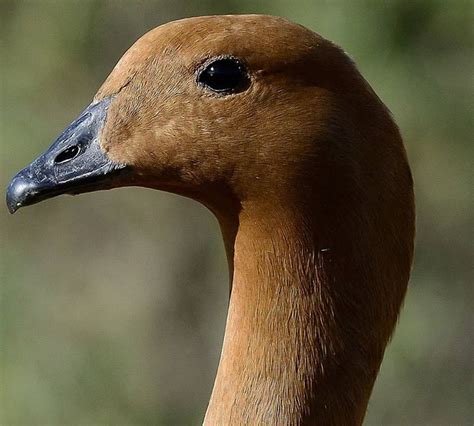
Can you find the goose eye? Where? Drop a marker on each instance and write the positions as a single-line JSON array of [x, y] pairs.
[[225, 75]]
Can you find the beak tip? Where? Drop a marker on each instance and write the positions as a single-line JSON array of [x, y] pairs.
[[19, 190], [12, 208]]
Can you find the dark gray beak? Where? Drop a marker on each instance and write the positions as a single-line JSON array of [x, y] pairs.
[[73, 164]]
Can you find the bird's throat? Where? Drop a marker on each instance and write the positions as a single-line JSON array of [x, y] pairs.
[[285, 357]]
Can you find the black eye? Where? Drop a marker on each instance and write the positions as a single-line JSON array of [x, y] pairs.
[[226, 75]]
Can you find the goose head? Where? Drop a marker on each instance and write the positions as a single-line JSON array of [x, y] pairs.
[[273, 128], [221, 108]]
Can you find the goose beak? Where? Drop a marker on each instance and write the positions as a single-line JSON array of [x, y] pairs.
[[73, 164]]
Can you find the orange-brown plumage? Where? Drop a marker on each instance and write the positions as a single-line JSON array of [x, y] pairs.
[[307, 174]]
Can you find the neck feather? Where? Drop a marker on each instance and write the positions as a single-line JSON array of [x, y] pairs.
[[296, 351]]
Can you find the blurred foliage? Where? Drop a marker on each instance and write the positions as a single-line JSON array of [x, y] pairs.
[[113, 306]]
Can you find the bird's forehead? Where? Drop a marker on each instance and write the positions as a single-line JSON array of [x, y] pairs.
[[260, 41]]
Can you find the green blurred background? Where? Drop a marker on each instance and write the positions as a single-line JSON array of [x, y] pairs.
[[113, 304]]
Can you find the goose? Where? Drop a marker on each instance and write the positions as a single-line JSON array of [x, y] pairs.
[[273, 128]]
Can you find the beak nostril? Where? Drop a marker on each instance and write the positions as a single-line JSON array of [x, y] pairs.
[[67, 155]]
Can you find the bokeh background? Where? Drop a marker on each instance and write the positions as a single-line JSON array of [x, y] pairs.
[[113, 304]]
